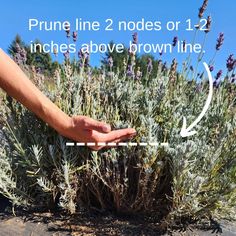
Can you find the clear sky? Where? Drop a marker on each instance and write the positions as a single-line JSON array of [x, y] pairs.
[[15, 15]]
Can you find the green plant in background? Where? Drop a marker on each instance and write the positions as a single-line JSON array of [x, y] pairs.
[[191, 178]]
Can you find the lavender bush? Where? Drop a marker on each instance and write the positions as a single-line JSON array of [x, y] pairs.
[[191, 178]]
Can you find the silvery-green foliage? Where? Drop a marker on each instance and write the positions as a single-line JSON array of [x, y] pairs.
[[8, 184], [191, 177]]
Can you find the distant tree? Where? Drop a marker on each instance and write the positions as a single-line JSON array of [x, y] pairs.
[[118, 59], [12, 49], [142, 61], [42, 61]]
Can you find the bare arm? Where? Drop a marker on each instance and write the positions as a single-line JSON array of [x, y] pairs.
[[18, 86], [78, 128]]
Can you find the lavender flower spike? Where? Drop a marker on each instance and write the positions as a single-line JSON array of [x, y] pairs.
[[67, 29], [220, 41], [149, 66], [110, 61], [231, 63], [208, 25], [135, 38], [175, 40], [66, 55], [211, 67], [202, 9], [219, 74], [74, 35]]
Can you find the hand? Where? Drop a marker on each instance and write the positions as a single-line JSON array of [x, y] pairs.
[[78, 128], [85, 129]]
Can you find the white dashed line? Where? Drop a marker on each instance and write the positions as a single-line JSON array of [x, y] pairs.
[[153, 144], [164, 144], [91, 144], [111, 144], [101, 144], [70, 144], [121, 144], [143, 144], [80, 144], [133, 144]]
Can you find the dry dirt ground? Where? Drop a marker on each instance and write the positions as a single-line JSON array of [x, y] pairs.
[[100, 224], [45, 225], [93, 223]]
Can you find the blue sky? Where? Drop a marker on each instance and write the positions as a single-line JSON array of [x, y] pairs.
[[15, 15]]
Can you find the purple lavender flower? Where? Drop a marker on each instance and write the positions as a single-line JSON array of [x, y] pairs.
[[202, 9], [216, 83], [87, 58], [67, 29], [17, 58], [130, 71], [220, 41], [83, 55], [23, 55], [175, 40], [149, 66], [110, 61], [18, 48], [211, 68], [208, 24], [74, 35], [184, 45], [135, 38], [80, 54], [66, 55], [219, 74], [20, 56], [230, 63]]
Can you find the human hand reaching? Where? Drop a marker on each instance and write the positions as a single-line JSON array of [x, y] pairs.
[[85, 129], [78, 128]]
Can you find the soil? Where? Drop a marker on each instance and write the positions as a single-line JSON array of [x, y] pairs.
[[96, 223]]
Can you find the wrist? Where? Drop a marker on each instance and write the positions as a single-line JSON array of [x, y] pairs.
[[65, 126], [56, 118]]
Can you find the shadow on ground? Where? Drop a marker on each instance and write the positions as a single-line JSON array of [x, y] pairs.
[[94, 223]]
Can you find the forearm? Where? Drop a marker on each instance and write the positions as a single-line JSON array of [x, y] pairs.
[[17, 85]]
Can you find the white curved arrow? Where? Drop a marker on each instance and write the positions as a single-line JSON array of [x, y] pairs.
[[185, 132]]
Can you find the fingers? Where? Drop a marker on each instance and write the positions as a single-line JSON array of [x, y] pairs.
[[92, 124], [86, 129], [116, 141], [120, 135]]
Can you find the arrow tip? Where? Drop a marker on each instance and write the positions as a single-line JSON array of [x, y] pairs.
[[184, 131]]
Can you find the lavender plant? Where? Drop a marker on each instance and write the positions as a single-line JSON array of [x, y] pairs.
[[190, 178], [193, 176]]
